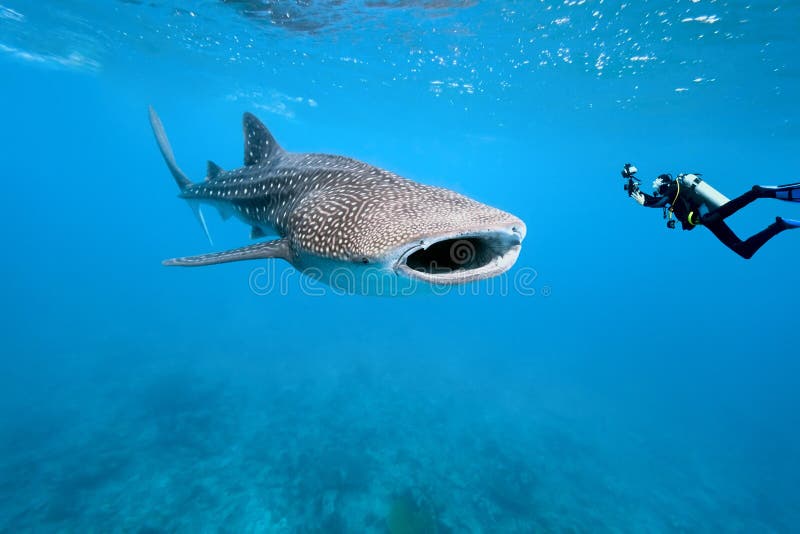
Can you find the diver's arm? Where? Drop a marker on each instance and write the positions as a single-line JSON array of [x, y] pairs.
[[643, 199]]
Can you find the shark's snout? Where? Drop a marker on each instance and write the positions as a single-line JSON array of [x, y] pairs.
[[462, 257]]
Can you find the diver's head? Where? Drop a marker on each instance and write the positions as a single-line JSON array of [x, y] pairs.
[[662, 183]]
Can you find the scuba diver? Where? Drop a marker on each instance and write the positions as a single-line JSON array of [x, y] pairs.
[[695, 203]]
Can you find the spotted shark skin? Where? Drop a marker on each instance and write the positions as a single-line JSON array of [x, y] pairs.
[[332, 212]]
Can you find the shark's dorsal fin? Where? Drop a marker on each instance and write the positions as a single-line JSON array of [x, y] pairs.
[[278, 248], [213, 171], [259, 145]]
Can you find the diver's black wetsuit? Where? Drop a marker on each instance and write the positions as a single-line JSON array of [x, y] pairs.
[[676, 202], [715, 220]]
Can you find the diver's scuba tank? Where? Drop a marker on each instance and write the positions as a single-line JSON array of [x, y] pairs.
[[700, 194]]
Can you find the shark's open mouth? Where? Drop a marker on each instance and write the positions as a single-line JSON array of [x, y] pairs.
[[461, 258]]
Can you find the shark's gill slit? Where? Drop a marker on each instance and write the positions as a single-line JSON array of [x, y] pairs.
[[458, 254]]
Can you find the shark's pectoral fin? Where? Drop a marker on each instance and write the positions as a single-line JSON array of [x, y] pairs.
[[256, 232], [278, 248]]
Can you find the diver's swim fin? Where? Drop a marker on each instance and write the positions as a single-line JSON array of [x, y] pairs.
[[790, 192], [787, 224]]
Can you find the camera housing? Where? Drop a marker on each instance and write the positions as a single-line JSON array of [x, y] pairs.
[[629, 171]]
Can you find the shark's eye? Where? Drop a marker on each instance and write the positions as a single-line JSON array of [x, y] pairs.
[[364, 260]]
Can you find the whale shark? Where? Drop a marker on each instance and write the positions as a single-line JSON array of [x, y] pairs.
[[331, 214]]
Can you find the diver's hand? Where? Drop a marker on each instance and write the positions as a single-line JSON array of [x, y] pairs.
[[638, 196]]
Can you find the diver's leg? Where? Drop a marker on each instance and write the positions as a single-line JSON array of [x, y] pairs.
[[726, 235], [734, 205], [790, 192], [747, 248]]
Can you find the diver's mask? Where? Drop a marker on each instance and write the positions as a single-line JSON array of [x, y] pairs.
[[661, 184]]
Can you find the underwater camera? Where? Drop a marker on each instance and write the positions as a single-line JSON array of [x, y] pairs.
[[629, 173]]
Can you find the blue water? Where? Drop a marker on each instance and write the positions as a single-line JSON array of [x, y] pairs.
[[645, 380]]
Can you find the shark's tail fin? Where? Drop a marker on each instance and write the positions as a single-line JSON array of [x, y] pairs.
[[180, 178]]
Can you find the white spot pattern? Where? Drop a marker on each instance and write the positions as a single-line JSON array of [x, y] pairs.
[[337, 207]]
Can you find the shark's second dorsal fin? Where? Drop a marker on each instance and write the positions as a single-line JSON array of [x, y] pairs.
[[259, 145], [213, 171]]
